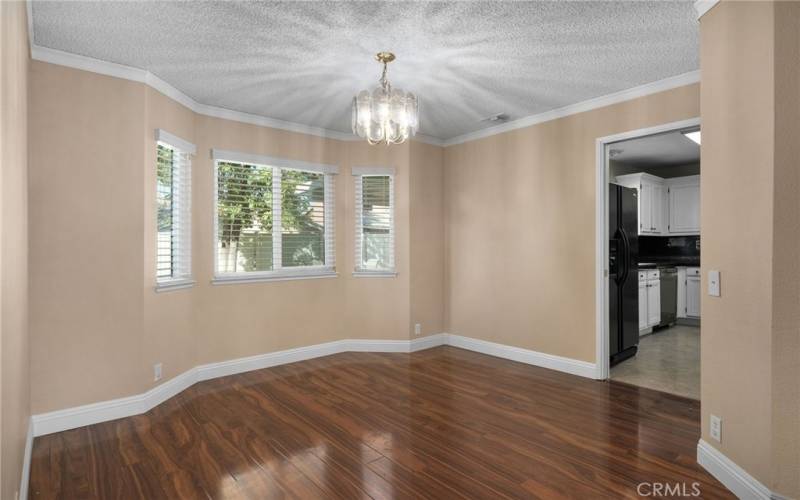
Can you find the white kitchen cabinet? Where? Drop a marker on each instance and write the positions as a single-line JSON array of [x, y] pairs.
[[658, 207], [667, 207], [684, 205], [649, 300], [643, 316], [650, 193], [653, 302], [681, 302], [688, 292], [693, 296]]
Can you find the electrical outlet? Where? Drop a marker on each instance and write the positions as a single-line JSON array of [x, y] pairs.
[[156, 372], [418, 329], [716, 428]]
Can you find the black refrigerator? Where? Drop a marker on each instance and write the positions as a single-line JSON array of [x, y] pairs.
[[623, 278]]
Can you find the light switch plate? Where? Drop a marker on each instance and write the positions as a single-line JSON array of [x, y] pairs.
[[713, 283]]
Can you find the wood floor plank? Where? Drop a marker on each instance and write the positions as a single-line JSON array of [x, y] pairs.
[[440, 423]]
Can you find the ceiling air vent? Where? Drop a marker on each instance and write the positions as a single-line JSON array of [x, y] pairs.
[[498, 118]]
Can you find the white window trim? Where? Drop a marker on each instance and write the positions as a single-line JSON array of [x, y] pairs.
[[305, 273], [271, 161], [284, 273], [374, 274], [175, 141], [186, 280], [367, 171], [167, 285]]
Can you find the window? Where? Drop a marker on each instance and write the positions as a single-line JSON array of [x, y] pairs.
[[173, 198], [274, 218], [374, 246]]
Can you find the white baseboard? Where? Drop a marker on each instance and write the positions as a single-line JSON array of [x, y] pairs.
[[566, 365], [26, 463], [250, 363], [79, 416], [423, 343], [736, 479], [71, 418]]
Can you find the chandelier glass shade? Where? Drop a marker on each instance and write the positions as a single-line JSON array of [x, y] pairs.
[[385, 115]]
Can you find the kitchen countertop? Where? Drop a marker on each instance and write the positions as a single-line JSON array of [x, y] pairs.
[[653, 263]]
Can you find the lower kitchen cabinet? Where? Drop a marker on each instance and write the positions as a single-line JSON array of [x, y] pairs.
[[643, 314], [693, 296], [689, 292], [653, 301], [649, 300]]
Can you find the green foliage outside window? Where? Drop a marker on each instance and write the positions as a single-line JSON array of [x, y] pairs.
[[245, 218]]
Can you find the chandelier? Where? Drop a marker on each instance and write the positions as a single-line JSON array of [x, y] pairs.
[[385, 115]]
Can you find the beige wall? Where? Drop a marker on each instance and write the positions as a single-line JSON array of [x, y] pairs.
[[786, 255], [98, 326], [14, 367], [168, 336], [378, 308], [86, 232], [750, 348], [427, 238], [519, 212]]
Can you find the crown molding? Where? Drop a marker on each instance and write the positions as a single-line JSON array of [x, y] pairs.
[[428, 139], [703, 6], [588, 105], [61, 58], [68, 59]]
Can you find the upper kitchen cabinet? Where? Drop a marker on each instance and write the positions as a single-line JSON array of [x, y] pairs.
[[667, 207], [651, 196], [684, 205]]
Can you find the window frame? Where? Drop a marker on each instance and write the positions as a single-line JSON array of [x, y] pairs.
[[327, 270], [358, 174], [182, 277]]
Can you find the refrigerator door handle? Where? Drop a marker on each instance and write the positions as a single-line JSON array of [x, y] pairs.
[[626, 251], [618, 261]]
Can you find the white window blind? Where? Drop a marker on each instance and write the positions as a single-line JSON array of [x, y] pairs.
[[374, 207], [174, 209], [272, 221]]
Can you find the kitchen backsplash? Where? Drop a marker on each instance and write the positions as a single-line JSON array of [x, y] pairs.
[[669, 246]]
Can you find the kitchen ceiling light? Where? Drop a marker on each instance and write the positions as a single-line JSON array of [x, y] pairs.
[[386, 115], [694, 136]]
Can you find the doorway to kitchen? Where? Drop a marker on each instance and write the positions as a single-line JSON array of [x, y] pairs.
[[649, 258]]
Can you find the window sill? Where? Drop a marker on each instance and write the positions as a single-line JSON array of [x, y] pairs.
[[177, 284], [260, 278], [375, 274]]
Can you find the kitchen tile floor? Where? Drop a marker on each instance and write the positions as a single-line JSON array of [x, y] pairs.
[[668, 360]]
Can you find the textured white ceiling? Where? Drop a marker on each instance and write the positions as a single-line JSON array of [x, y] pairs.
[[303, 61], [668, 149]]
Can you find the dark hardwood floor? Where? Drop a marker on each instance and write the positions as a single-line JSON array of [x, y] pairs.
[[442, 423]]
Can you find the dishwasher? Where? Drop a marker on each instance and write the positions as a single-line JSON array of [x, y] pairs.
[[669, 295]]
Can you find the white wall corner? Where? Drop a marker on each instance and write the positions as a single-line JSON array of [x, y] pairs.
[[733, 477], [703, 6], [26, 463]]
